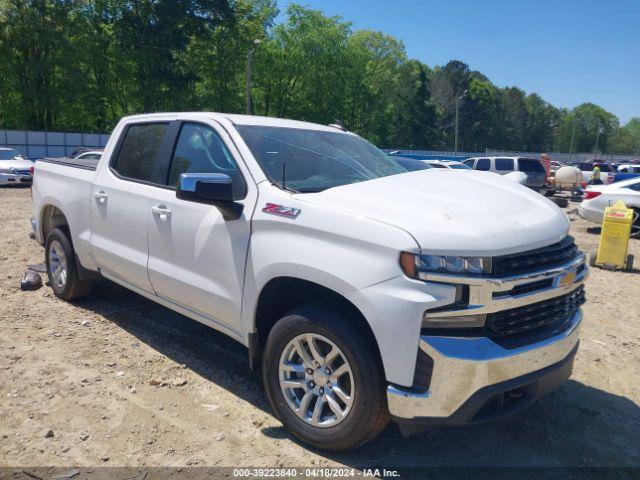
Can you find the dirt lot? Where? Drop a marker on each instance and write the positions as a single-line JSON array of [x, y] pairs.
[[122, 381]]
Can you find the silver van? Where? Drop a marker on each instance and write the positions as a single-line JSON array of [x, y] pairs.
[[534, 169]]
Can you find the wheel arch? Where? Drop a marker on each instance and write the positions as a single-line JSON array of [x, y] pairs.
[[52, 217], [282, 294]]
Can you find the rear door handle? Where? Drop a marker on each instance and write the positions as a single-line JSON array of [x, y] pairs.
[[101, 196], [162, 211]]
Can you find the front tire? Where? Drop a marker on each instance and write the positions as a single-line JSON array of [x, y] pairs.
[[324, 379], [62, 267]]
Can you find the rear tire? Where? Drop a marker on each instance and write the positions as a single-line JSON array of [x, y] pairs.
[[62, 267], [328, 340]]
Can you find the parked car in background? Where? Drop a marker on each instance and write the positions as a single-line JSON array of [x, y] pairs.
[[15, 169], [628, 168], [364, 291], [533, 168], [410, 164], [626, 172], [607, 171], [89, 155], [79, 150], [599, 197], [436, 162], [452, 164]]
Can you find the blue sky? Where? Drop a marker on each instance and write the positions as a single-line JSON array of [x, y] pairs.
[[568, 51]]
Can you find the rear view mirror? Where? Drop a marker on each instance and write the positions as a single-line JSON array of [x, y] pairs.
[[205, 187], [211, 188]]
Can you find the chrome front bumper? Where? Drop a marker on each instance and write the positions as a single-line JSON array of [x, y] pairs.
[[463, 366]]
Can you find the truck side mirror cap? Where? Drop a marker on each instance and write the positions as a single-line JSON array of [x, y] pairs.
[[205, 188]]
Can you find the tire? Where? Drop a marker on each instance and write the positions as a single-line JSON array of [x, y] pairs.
[[66, 285], [363, 383]]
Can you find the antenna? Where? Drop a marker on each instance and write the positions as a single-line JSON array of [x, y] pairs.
[[284, 164]]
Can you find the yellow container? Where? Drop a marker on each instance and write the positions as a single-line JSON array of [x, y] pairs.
[[614, 239]]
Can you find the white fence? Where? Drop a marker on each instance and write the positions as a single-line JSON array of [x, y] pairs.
[[36, 145]]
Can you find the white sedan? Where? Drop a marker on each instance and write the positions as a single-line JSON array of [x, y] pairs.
[[14, 168], [599, 197]]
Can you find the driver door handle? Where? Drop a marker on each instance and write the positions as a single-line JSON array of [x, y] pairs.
[[162, 211], [101, 196]]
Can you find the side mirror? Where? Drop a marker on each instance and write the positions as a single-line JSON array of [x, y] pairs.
[[211, 188], [205, 188]]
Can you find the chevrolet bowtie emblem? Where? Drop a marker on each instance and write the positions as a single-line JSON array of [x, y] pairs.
[[568, 279]]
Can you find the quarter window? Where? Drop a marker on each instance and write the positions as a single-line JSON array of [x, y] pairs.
[[200, 150], [138, 151]]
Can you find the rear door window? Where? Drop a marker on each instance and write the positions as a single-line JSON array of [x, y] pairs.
[[483, 164], [504, 164], [138, 151], [530, 165]]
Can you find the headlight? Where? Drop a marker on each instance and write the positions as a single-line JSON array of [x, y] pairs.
[[412, 264]]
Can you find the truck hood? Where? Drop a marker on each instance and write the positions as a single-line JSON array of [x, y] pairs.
[[453, 211]]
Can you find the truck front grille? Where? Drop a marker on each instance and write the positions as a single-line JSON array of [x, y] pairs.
[[532, 260], [522, 325]]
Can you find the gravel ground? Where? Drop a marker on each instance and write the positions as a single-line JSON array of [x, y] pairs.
[[116, 380]]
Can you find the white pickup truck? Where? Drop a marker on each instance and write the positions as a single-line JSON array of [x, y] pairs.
[[363, 291]]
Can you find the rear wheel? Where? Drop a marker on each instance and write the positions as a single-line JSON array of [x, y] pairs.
[[324, 380], [62, 268]]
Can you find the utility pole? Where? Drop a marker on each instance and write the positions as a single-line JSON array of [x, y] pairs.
[[573, 138], [455, 148], [600, 130], [255, 42]]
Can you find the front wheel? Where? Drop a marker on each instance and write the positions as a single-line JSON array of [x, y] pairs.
[[324, 380]]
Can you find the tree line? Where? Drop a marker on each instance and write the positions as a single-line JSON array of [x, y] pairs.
[[79, 65]]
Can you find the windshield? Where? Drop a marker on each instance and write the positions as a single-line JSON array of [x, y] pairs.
[[314, 160], [9, 154]]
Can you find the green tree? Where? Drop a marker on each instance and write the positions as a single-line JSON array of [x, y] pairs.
[[586, 125], [626, 140]]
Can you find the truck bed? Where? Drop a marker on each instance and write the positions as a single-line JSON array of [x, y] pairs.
[[84, 163]]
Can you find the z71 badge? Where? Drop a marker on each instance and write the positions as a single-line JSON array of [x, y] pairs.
[[281, 210]]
